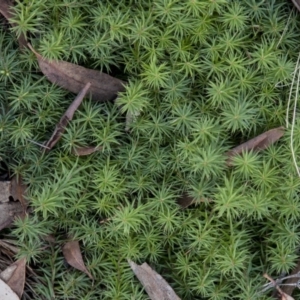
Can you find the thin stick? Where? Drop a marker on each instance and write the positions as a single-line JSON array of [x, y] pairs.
[[36, 143], [285, 28], [291, 91], [294, 121]]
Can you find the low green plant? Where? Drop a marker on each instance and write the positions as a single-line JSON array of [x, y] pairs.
[[202, 77]]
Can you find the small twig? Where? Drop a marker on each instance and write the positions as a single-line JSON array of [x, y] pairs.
[[291, 282], [294, 120], [38, 144], [285, 28]]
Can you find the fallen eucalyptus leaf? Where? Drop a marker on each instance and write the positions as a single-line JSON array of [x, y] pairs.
[[82, 151], [72, 254], [72, 77], [67, 116], [6, 293], [258, 143], [14, 276], [6, 11], [154, 284]]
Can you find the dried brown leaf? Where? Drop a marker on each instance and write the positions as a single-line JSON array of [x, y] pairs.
[[297, 4], [8, 212], [82, 151], [6, 11], [6, 274], [14, 276], [258, 143], [8, 247], [6, 293], [5, 187], [72, 254], [67, 116], [72, 77], [154, 284], [18, 190]]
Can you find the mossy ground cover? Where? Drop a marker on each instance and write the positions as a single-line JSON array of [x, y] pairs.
[[202, 77]]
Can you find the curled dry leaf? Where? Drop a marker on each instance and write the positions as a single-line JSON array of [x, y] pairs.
[[73, 77], [154, 284], [6, 293], [82, 151], [72, 254], [6, 11], [67, 116], [258, 143], [14, 276]]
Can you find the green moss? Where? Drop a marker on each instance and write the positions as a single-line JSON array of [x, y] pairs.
[[203, 76]]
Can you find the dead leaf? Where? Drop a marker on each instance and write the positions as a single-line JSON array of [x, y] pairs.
[[6, 293], [18, 190], [297, 4], [72, 254], [14, 276], [4, 191], [154, 284], [8, 247], [72, 77], [82, 151], [8, 212], [6, 11], [258, 143], [67, 116]]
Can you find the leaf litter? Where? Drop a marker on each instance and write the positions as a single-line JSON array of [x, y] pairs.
[[154, 284], [72, 254], [258, 143], [72, 77], [14, 276]]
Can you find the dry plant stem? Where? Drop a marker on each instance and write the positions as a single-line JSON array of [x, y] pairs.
[[294, 120], [285, 28], [38, 144], [291, 92], [283, 295], [288, 289], [297, 4]]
